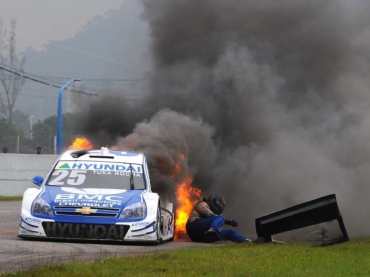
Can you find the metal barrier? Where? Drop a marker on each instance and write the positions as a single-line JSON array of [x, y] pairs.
[[18, 170]]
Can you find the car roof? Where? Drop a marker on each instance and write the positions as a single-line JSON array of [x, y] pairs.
[[104, 154]]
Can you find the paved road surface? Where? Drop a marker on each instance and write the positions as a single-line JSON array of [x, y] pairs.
[[18, 254]]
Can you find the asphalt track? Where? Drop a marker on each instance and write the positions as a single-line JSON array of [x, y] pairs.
[[17, 254]]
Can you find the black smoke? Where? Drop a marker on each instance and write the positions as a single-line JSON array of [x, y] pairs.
[[268, 100], [171, 139]]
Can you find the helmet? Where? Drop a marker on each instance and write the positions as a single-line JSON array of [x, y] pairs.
[[216, 203]]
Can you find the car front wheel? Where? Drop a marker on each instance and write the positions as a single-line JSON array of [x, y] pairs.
[[158, 232]]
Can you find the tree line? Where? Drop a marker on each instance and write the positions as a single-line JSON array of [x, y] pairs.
[[16, 134], [18, 139]]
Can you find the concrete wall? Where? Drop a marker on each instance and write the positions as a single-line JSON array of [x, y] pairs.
[[18, 170]]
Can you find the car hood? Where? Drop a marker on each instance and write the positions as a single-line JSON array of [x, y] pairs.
[[91, 197]]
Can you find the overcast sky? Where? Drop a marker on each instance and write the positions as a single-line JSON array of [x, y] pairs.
[[40, 21]]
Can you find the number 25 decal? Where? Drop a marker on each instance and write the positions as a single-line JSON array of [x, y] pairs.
[[75, 178]]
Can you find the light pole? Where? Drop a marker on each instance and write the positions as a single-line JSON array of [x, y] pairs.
[[60, 99], [31, 131]]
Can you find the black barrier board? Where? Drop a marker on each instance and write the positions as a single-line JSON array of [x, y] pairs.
[[317, 211]]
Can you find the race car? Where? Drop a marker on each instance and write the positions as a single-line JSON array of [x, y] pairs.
[[97, 195]]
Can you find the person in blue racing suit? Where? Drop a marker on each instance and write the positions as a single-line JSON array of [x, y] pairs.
[[205, 222]]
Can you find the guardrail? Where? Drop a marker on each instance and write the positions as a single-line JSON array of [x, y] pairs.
[[18, 170]]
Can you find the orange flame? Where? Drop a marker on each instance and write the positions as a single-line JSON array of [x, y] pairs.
[[186, 197], [81, 143]]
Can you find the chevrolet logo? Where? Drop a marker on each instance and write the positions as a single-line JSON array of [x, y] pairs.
[[86, 210]]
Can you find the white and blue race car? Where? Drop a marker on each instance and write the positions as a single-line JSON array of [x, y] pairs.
[[97, 195]]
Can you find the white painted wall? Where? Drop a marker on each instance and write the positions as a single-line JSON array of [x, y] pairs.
[[18, 170]]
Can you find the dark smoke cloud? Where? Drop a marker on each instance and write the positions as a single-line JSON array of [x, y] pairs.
[[108, 118], [284, 87], [171, 139]]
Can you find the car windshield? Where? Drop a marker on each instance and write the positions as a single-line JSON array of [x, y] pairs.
[[87, 174]]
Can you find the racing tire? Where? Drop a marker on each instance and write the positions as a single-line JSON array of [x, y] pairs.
[[174, 228], [158, 232]]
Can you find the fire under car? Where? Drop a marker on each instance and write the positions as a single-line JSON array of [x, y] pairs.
[[99, 195]]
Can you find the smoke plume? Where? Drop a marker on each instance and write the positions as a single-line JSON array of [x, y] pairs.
[[268, 100], [171, 139]]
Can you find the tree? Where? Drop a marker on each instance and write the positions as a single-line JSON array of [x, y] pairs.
[[45, 131], [10, 62], [22, 122], [8, 135]]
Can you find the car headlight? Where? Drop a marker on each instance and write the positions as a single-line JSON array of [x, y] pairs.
[[134, 211], [40, 206]]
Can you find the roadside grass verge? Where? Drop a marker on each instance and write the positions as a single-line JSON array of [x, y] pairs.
[[347, 259], [11, 198]]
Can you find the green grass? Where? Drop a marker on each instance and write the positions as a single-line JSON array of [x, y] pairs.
[[11, 198], [347, 259]]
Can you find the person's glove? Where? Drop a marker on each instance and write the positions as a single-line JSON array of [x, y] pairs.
[[231, 222]]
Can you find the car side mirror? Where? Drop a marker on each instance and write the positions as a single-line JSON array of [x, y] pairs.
[[37, 180]]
